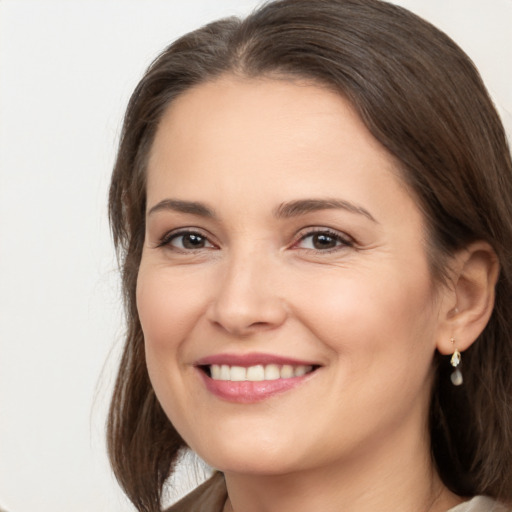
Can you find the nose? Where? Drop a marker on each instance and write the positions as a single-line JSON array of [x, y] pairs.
[[248, 298]]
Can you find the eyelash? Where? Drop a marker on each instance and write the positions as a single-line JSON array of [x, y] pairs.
[[340, 240], [168, 238]]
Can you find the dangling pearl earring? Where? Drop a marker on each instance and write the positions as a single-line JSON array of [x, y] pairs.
[[456, 376]]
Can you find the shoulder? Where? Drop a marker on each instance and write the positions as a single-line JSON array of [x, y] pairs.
[[480, 504], [208, 497]]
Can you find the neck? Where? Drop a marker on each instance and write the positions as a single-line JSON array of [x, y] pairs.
[[396, 477]]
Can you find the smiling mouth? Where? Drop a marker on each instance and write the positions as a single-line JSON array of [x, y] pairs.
[[256, 373]]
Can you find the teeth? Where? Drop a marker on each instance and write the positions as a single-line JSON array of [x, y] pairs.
[[257, 373], [225, 373], [215, 372], [272, 372], [286, 371], [301, 370], [238, 373]]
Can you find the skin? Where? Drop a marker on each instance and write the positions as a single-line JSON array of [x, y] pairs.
[[365, 309]]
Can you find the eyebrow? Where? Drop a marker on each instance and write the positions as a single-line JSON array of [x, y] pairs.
[[192, 207], [303, 206], [283, 211]]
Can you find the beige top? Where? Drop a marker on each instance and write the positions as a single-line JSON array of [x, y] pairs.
[[208, 497], [212, 494]]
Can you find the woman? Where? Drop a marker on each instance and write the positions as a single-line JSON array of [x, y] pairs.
[[313, 212]]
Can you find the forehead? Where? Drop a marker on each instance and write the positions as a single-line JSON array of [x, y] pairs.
[[262, 142], [256, 104], [250, 123]]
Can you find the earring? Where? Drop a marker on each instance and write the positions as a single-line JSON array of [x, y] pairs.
[[456, 376]]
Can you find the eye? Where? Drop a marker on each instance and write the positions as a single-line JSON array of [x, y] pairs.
[[186, 241], [323, 240]]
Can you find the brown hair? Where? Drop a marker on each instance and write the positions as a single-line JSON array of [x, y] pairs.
[[422, 98]]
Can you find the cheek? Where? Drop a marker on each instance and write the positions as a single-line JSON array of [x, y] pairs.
[[368, 317], [381, 335], [167, 309]]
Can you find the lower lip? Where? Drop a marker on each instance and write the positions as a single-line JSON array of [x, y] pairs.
[[247, 392]]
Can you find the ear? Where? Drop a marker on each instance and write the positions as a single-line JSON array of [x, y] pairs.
[[469, 300]]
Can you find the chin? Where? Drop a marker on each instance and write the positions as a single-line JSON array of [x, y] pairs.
[[249, 456]]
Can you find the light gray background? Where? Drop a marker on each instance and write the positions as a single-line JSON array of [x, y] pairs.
[[67, 68]]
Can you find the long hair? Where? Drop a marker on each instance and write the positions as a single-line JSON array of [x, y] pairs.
[[423, 100]]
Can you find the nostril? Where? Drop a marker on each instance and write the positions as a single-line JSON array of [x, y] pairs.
[[259, 325]]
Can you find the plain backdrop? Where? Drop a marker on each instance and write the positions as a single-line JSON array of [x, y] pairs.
[[67, 68]]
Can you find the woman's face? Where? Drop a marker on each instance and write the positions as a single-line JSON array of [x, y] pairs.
[[288, 310]]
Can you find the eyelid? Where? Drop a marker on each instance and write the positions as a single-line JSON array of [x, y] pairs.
[[341, 237], [169, 236], [344, 239]]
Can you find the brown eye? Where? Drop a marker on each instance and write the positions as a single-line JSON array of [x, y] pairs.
[[323, 241], [189, 241]]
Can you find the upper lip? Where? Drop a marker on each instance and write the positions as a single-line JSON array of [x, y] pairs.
[[252, 359]]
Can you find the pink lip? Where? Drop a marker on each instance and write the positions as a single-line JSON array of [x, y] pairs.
[[247, 392], [252, 359], [250, 392]]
